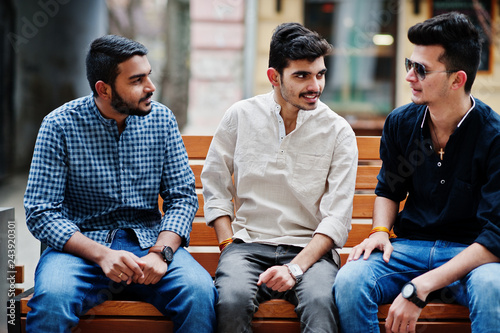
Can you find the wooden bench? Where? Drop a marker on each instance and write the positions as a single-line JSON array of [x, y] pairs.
[[276, 315]]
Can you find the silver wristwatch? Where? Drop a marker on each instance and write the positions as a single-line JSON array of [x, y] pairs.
[[295, 271]]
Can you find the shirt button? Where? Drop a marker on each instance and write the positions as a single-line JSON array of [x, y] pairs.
[[442, 181], [439, 164]]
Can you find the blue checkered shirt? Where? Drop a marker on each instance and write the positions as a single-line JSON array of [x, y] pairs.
[[87, 177]]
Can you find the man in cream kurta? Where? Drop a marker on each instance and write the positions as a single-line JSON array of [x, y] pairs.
[[293, 161]]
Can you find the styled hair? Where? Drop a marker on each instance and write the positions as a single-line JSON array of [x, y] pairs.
[[104, 56], [459, 38], [292, 41]]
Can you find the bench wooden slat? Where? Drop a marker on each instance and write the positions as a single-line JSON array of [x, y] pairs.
[[434, 311], [276, 308], [197, 174], [357, 234], [368, 147], [366, 177], [197, 146], [201, 202], [208, 260], [362, 206], [275, 326], [123, 325], [19, 275], [203, 235]]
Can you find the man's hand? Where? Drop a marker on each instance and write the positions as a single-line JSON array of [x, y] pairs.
[[402, 316], [154, 269], [121, 266], [277, 278], [379, 241]]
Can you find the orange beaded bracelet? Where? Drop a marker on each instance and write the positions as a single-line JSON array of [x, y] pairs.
[[225, 243], [383, 229]]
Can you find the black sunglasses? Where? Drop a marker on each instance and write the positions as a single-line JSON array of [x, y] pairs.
[[420, 69]]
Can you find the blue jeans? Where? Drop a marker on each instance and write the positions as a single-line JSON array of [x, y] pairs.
[[236, 279], [364, 284], [66, 287]]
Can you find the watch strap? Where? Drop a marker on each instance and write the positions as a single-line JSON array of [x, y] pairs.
[[413, 297], [156, 249], [417, 301], [160, 250]]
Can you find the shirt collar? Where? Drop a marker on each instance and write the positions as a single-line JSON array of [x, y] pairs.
[[460, 122], [93, 106]]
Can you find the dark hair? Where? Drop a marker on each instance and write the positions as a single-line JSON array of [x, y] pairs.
[[104, 56], [292, 41], [459, 38]]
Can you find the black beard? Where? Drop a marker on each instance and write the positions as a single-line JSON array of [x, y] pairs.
[[123, 107]]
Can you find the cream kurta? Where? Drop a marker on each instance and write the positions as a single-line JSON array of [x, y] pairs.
[[286, 188]]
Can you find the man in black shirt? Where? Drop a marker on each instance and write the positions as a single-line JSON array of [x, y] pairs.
[[442, 154]]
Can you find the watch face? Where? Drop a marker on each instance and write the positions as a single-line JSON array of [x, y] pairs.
[[408, 290], [167, 253], [295, 270]]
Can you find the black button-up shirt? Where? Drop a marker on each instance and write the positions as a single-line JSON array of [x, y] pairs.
[[455, 199]]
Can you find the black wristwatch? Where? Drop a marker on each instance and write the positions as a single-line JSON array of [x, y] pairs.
[[166, 252], [409, 292]]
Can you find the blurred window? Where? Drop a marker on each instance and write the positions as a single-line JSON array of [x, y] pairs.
[[361, 72]]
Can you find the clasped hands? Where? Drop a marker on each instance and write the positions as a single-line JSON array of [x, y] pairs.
[[119, 265]]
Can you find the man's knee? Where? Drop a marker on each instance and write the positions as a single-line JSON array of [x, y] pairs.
[[483, 284], [235, 299], [354, 273]]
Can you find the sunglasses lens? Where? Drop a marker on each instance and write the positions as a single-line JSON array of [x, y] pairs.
[[419, 68]]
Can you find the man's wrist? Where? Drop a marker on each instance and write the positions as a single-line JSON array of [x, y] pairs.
[[164, 251], [382, 229], [295, 271], [410, 293]]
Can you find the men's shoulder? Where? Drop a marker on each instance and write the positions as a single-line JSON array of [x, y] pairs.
[[405, 117], [259, 101], [257, 109], [488, 114], [329, 117], [78, 105], [407, 112], [160, 109]]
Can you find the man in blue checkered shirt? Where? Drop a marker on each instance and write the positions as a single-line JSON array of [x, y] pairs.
[[98, 166]]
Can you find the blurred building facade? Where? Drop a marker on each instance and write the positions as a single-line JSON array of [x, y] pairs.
[[366, 75]]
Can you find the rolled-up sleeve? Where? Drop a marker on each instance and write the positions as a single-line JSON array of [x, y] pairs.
[[489, 206], [180, 201], [337, 203], [43, 200], [216, 177]]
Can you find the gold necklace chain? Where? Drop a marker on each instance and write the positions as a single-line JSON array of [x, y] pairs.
[[441, 150]]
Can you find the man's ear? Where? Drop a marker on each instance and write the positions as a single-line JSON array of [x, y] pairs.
[[459, 81], [103, 90], [273, 76]]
